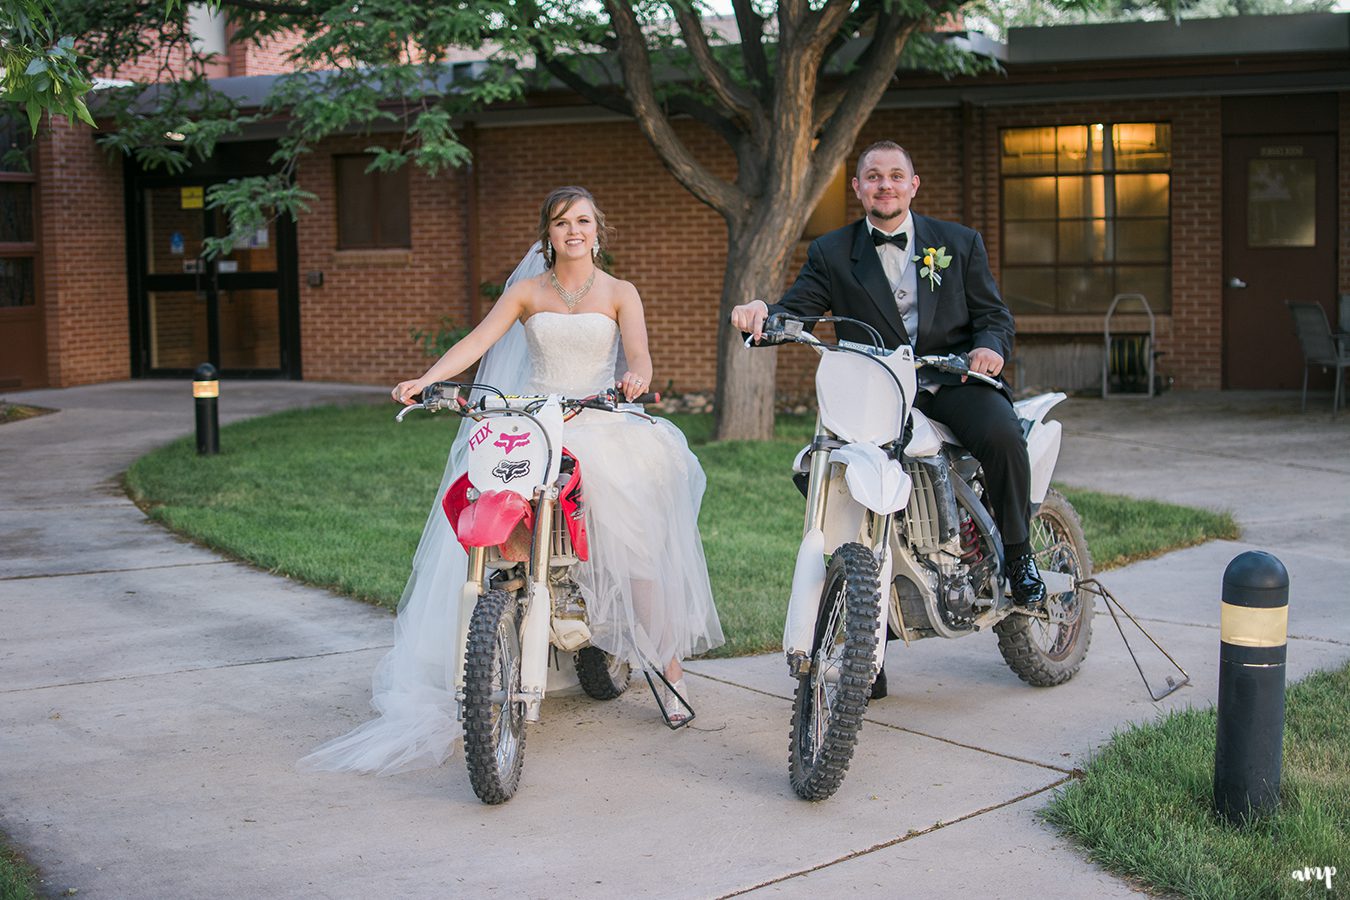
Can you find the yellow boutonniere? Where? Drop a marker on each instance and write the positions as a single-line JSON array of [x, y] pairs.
[[933, 259]]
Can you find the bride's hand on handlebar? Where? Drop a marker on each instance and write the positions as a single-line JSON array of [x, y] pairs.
[[749, 318], [406, 392], [632, 385]]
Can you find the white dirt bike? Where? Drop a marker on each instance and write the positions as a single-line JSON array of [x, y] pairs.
[[899, 542], [519, 512]]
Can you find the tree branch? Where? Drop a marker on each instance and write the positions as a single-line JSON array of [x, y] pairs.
[[864, 88], [592, 92], [823, 26], [699, 112], [790, 16], [827, 100], [751, 27], [722, 196], [860, 16], [739, 102]]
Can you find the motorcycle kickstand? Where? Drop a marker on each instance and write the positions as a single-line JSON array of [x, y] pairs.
[[1093, 586], [647, 671]]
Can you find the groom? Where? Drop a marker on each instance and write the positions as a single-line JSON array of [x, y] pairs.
[[879, 270]]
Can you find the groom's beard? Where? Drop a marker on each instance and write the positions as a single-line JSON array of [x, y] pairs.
[[886, 216]]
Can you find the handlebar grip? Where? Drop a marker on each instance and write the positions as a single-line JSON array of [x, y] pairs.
[[612, 398]]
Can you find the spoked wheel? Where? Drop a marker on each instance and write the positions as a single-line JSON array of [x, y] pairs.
[[832, 695], [494, 720], [603, 676], [1047, 650]]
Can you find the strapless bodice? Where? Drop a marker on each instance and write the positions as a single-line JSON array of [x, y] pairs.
[[571, 354]]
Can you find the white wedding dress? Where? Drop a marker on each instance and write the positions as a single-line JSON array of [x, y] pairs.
[[646, 583]]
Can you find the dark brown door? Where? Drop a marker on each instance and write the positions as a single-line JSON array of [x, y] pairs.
[[1279, 246], [23, 342]]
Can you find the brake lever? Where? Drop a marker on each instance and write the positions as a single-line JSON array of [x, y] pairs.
[[407, 409], [958, 364], [987, 379]]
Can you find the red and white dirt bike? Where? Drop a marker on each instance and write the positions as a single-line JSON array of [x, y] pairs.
[[519, 513]]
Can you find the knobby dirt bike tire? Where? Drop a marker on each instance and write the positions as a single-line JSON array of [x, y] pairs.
[[1044, 654], [602, 677], [850, 604], [494, 728]]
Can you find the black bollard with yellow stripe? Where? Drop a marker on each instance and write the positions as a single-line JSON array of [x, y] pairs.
[[205, 390], [1253, 632]]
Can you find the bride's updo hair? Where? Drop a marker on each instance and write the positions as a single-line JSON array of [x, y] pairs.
[[559, 202]]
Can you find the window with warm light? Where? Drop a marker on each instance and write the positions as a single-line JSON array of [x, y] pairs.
[[1086, 216]]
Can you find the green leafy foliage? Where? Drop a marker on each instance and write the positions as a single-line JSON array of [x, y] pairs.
[[41, 69]]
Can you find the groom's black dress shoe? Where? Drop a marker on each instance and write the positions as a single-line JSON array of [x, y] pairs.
[[1027, 587], [879, 686]]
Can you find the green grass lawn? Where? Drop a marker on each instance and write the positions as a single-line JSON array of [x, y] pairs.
[[337, 496], [1143, 808], [18, 881]]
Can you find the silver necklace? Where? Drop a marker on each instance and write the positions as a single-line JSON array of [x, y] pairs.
[[571, 298]]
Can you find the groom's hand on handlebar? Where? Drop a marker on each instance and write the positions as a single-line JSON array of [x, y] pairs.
[[749, 318], [984, 361]]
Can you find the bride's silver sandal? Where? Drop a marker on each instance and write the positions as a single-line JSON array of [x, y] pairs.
[[671, 700]]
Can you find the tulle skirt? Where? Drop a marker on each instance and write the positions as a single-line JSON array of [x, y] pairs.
[[646, 583]]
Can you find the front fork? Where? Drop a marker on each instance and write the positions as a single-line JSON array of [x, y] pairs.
[[808, 577], [535, 627], [534, 631]]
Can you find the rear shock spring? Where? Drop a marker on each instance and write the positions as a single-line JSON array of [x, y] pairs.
[[970, 542]]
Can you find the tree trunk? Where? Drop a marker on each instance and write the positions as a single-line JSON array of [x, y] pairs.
[[756, 262]]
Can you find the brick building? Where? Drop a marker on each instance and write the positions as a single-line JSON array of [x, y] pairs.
[[1206, 166]]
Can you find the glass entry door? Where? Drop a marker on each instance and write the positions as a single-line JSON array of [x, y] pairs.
[[236, 311]]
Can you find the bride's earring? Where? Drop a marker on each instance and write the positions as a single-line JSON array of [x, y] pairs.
[[548, 254], [595, 250]]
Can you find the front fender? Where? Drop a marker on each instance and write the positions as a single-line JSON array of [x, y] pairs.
[[491, 519], [874, 479]]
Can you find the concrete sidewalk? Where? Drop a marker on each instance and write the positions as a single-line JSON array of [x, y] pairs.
[[154, 697]]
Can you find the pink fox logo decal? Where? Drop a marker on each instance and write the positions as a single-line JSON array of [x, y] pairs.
[[509, 442], [480, 435]]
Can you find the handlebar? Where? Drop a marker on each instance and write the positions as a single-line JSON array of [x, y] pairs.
[[781, 328], [444, 395]]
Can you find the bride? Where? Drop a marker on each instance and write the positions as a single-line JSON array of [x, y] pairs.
[[557, 329]]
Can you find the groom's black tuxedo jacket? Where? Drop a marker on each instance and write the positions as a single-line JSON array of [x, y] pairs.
[[843, 275]]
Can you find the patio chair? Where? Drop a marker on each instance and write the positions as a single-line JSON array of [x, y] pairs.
[[1320, 347]]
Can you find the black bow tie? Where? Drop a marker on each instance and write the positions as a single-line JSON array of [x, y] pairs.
[[900, 240]]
